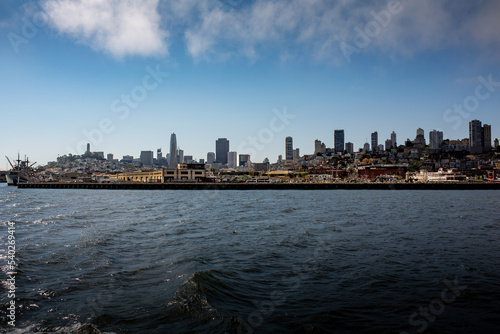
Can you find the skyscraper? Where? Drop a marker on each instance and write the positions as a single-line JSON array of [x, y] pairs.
[[288, 148], [173, 151], [221, 150], [296, 154], [435, 140], [420, 138], [388, 144], [374, 141], [232, 159], [180, 156], [475, 137], [88, 147], [349, 147], [159, 155], [393, 140], [496, 143], [338, 139], [486, 138], [210, 157]]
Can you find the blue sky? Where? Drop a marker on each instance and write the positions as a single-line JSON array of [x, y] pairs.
[[227, 68]]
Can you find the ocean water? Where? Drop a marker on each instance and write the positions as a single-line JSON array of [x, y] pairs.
[[113, 261]]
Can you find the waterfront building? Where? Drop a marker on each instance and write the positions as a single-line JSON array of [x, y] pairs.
[[172, 162], [486, 138], [221, 150], [232, 159], [349, 147], [244, 159], [475, 137], [210, 157], [338, 141], [374, 137], [183, 172], [435, 140], [288, 148], [147, 158]]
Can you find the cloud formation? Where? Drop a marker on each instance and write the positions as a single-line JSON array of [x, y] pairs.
[[286, 29], [120, 28]]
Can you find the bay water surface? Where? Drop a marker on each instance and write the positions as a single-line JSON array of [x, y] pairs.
[[333, 261]]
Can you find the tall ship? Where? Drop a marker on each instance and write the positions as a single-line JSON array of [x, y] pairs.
[[21, 172]]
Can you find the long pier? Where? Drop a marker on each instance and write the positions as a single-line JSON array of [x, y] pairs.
[[261, 186]]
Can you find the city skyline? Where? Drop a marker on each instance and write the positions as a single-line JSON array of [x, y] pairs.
[[478, 132], [68, 81]]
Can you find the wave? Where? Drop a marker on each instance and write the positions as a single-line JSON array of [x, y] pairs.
[[77, 328]]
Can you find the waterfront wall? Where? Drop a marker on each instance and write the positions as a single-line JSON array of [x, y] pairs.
[[264, 186]]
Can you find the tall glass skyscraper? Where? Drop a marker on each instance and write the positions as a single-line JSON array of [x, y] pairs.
[[221, 150], [173, 151], [338, 141]]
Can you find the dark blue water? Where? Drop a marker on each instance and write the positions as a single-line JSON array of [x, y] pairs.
[[253, 261]]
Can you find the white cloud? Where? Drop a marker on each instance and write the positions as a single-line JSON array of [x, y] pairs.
[[120, 28], [284, 29], [316, 28]]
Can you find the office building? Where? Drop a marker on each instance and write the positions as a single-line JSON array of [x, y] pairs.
[[128, 158], [338, 139], [101, 154], [221, 150], [486, 138], [288, 148], [374, 141], [232, 159], [180, 156], [296, 154], [172, 163], [419, 139], [366, 148], [475, 137], [380, 148], [349, 147], [210, 157], [188, 159], [393, 140], [496, 143], [147, 158], [244, 159], [109, 157], [388, 145], [159, 155], [435, 140]]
